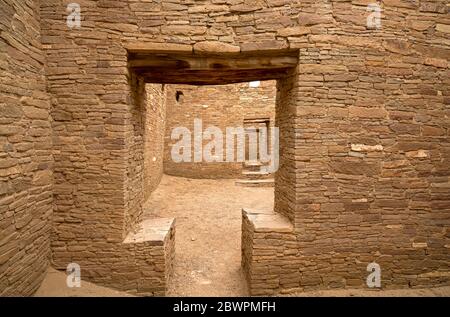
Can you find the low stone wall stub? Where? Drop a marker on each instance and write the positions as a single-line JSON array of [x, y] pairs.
[[141, 264], [266, 252]]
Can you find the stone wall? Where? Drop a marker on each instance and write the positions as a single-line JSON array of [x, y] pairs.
[[26, 153], [221, 106], [155, 121], [372, 152], [135, 155], [269, 252], [365, 149], [258, 102]]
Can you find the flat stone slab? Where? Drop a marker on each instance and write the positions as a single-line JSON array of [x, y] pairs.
[[154, 230], [268, 221], [255, 182], [149, 47]]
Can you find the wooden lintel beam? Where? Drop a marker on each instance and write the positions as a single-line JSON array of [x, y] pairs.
[[211, 78], [213, 63]]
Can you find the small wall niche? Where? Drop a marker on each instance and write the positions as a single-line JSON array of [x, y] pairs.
[[179, 96]]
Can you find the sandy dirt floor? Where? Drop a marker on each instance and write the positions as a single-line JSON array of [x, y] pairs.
[[208, 232], [207, 243], [54, 285]]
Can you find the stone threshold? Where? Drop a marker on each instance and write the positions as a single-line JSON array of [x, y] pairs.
[[154, 231], [267, 221]]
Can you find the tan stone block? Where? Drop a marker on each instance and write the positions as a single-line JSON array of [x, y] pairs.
[[367, 112], [293, 31], [183, 29], [405, 128], [8, 162], [215, 47], [149, 47], [397, 46], [11, 110], [432, 51], [321, 69], [341, 77], [444, 28], [264, 46], [392, 203], [432, 131], [42, 178], [208, 8], [437, 62], [337, 112], [355, 168], [35, 113], [244, 8], [401, 4], [122, 27], [144, 6], [420, 25], [331, 207], [352, 41], [366, 148], [311, 111], [313, 19], [435, 7]]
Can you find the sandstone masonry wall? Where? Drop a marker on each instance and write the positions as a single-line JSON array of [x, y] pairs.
[[364, 171], [221, 106], [258, 102], [268, 253], [26, 153], [155, 121], [372, 152]]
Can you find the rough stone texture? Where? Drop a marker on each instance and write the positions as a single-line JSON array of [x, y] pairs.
[[268, 252], [215, 46], [354, 208], [141, 264], [154, 248], [155, 119], [353, 85], [122, 252], [220, 106], [25, 151]]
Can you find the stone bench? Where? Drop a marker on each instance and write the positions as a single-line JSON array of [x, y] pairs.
[[153, 246], [154, 231], [140, 264], [267, 221], [268, 251]]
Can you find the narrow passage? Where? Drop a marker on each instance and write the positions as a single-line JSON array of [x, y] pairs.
[[208, 232]]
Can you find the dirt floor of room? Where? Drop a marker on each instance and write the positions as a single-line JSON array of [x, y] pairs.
[[208, 232], [208, 237]]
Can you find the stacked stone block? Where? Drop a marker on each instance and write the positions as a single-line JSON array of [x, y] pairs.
[[364, 171], [25, 151], [155, 123], [222, 106], [269, 253], [154, 247]]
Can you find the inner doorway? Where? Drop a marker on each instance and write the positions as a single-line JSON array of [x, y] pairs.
[[208, 232], [206, 198], [189, 198]]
